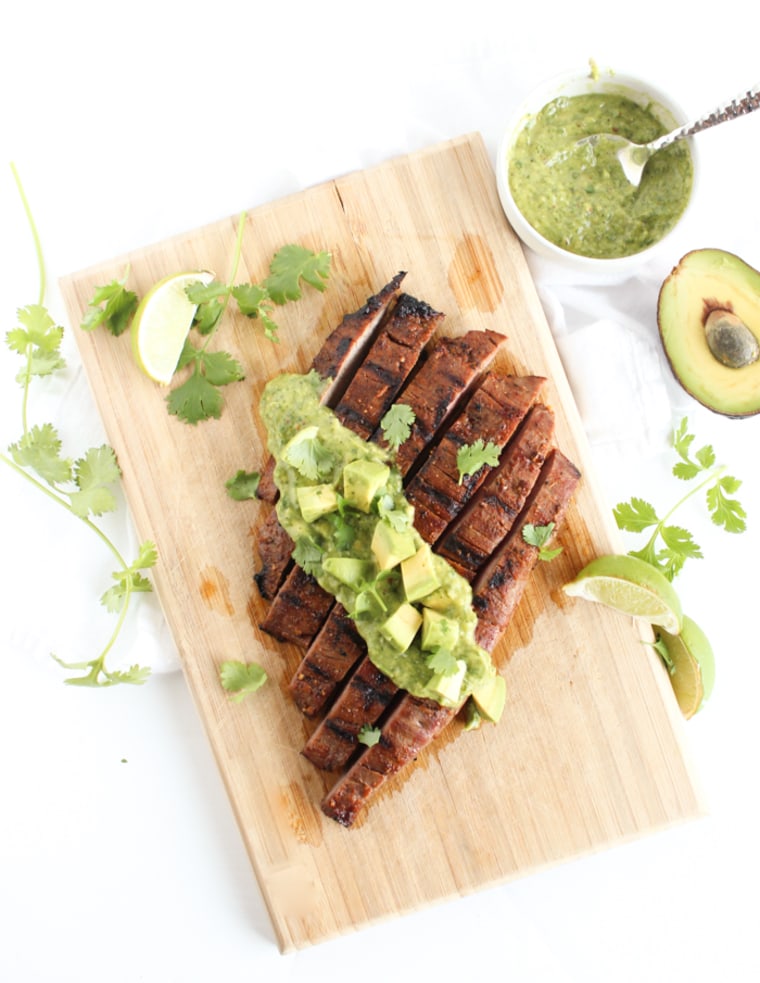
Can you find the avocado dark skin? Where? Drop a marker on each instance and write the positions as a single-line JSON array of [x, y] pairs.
[[708, 313]]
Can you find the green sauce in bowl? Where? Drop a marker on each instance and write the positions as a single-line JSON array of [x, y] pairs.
[[578, 197]]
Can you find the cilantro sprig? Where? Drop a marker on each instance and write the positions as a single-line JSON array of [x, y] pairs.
[[207, 370], [539, 536], [240, 679], [668, 545], [472, 457], [84, 486], [199, 396], [397, 424]]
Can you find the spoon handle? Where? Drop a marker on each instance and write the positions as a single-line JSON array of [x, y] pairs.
[[747, 102]]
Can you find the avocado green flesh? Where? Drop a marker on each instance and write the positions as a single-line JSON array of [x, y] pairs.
[[582, 201], [290, 403], [705, 280]]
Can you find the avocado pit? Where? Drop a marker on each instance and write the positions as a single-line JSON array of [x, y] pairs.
[[730, 340]]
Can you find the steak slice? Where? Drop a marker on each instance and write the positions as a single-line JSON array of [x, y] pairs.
[[488, 519], [450, 371], [387, 365], [499, 587], [337, 359], [365, 698], [275, 547], [414, 722], [434, 392], [337, 647], [300, 606], [492, 414]]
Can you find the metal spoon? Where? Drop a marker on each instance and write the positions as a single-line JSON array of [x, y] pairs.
[[633, 156]]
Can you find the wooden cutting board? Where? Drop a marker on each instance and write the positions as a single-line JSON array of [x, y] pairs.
[[590, 750]]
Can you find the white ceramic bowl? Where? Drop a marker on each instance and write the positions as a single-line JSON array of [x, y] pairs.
[[574, 84]]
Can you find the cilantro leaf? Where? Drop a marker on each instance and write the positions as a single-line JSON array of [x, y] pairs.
[[112, 306], [93, 473], [38, 338], [40, 450], [442, 661], [397, 424], [307, 555], [369, 735], [240, 679], [538, 536], [635, 515], [472, 457], [307, 454], [724, 511], [243, 485], [195, 400], [289, 266]]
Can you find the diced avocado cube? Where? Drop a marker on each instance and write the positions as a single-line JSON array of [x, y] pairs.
[[418, 574], [439, 600], [362, 480], [450, 686], [349, 570], [489, 697], [401, 627], [438, 631], [390, 546], [315, 501]]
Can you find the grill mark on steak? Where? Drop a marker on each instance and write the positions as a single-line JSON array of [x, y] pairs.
[[489, 516], [301, 606], [337, 358], [492, 414], [414, 722]]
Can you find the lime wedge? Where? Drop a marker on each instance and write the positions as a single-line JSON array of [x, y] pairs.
[[690, 662], [162, 322], [631, 586]]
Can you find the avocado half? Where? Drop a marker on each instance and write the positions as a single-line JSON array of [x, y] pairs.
[[712, 289]]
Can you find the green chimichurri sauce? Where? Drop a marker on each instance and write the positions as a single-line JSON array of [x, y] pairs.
[[290, 405], [579, 198]]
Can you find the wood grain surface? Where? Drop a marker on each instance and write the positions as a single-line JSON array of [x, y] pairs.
[[590, 751]]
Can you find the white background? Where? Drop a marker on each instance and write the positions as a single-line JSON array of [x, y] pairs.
[[119, 855]]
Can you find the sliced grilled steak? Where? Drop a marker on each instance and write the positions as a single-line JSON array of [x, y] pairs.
[[415, 722], [499, 587], [366, 696], [387, 365], [338, 357], [492, 414], [453, 367], [300, 606], [298, 610], [488, 519], [337, 647], [275, 547], [412, 725]]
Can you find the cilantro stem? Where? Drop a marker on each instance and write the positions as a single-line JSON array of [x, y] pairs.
[[230, 283], [35, 235]]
